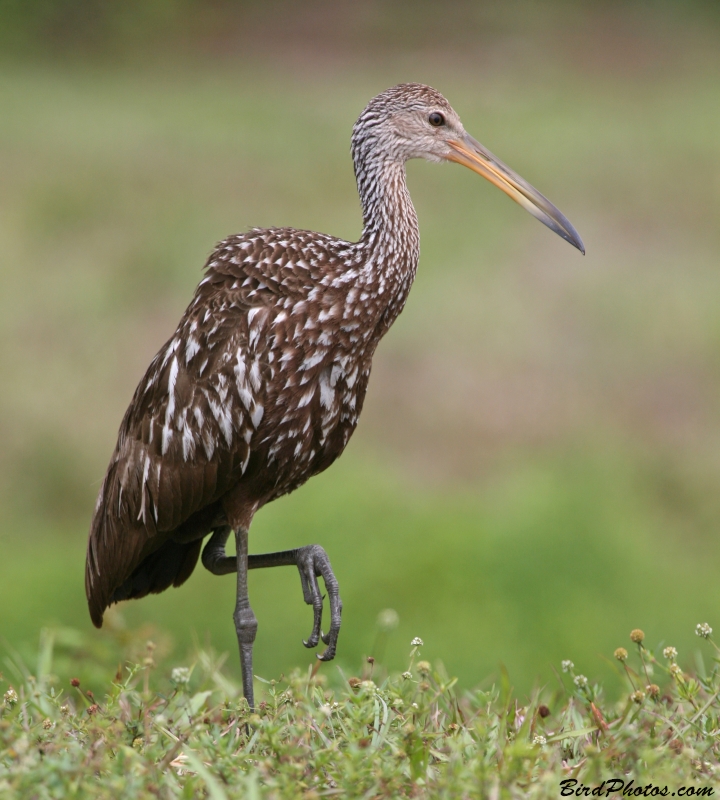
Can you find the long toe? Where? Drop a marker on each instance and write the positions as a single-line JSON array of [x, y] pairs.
[[311, 591], [313, 562], [330, 638]]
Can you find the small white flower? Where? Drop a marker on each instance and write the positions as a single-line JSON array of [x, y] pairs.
[[703, 630], [326, 710], [541, 740], [406, 675], [388, 620], [415, 705], [580, 681], [180, 676], [670, 653], [11, 697], [416, 642], [676, 671], [567, 665]]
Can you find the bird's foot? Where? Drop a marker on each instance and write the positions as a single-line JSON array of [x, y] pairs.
[[312, 562]]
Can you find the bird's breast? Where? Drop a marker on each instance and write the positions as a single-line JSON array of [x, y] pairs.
[[314, 405], [320, 364]]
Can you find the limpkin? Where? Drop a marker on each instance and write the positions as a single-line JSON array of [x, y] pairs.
[[262, 384]]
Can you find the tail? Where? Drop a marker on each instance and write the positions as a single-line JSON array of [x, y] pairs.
[[170, 565], [128, 558], [112, 549]]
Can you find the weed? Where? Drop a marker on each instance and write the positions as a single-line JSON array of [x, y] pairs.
[[410, 735]]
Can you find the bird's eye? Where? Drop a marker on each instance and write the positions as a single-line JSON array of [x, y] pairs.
[[436, 119]]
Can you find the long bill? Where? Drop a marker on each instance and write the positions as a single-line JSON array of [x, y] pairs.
[[470, 153]]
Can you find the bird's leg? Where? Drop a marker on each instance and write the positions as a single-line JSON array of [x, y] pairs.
[[312, 562], [245, 621], [213, 554]]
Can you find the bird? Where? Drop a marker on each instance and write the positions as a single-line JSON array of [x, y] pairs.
[[262, 384]]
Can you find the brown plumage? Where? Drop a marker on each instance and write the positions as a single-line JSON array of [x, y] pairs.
[[262, 384]]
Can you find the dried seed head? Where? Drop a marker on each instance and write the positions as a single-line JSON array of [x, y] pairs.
[[354, 682], [544, 711], [423, 667], [75, 682], [423, 686], [653, 690], [703, 630], [637, 636], [10, 697], [621, 654], [47, 724], [670, 653], [637, 697]]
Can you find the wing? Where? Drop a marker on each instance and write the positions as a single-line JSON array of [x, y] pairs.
[[186, 437]]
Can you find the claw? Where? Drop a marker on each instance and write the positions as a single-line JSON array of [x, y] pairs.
[[328, 655], [325, 637]]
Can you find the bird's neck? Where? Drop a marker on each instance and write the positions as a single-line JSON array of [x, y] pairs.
[[391, 239], [388, 212]]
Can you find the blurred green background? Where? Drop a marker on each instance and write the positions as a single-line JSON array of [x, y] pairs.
[[536, 470]]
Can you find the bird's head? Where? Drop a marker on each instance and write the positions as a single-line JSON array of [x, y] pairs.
[[415, 121]]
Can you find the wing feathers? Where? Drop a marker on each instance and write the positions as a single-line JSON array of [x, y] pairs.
[[184, 441]]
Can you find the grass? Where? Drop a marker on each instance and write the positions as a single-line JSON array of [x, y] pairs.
[[186, 732]]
